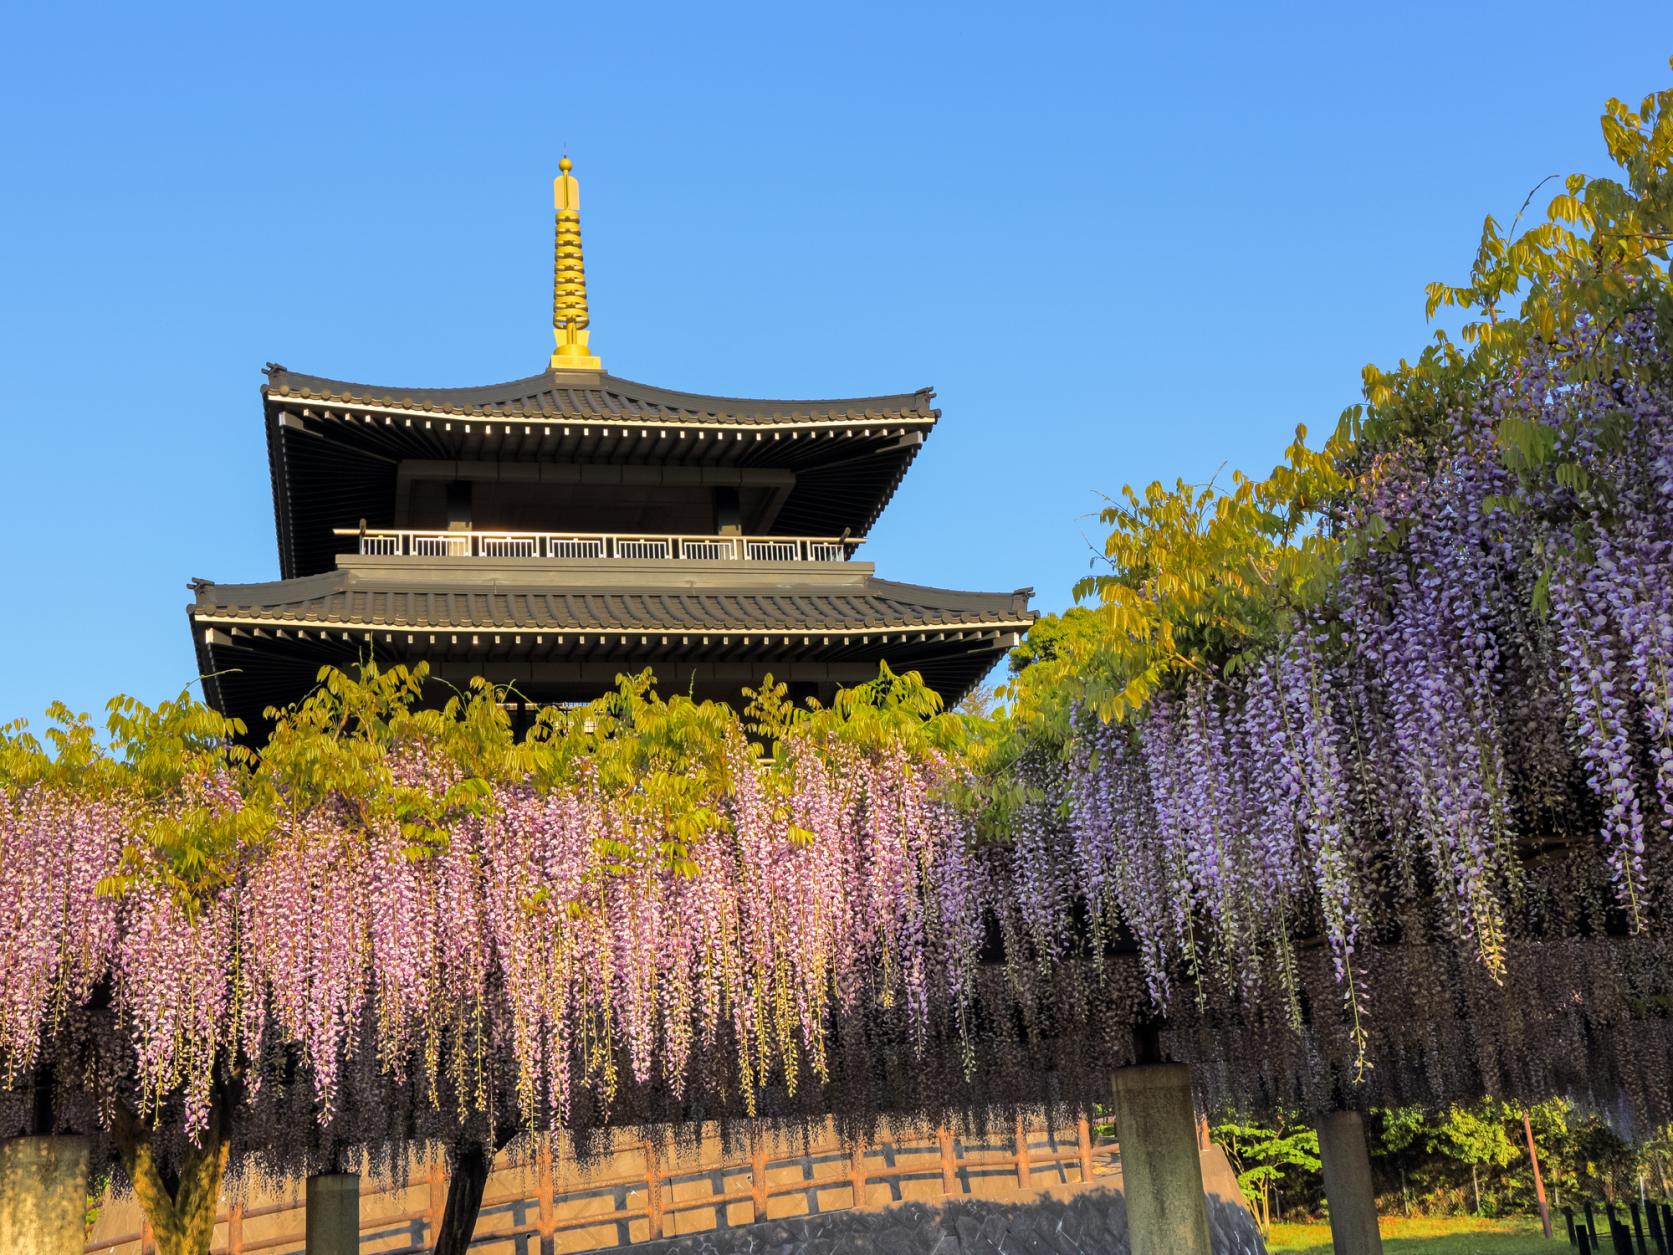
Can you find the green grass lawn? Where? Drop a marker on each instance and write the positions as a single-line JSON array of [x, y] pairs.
[[1460, 1235]]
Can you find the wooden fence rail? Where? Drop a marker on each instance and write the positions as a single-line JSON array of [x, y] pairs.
[[1026, 1166]]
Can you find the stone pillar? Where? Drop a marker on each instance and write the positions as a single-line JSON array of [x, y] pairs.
[[1161, 1168], [1347, 1184], [43, 1195], [333, 1226]]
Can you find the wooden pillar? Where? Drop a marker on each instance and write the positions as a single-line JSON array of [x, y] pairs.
[[1161, 1167], [1025, 1166], [147, 1239], [1347, 1184], [1083, 1141], [235, 1230], [43, 1195], [949, 1161], [857, 1173], [333, 1220], [758, 1174], [546, 1217], [653, 1189]]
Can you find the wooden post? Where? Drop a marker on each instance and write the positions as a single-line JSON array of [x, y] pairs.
[[653, 1190], [546, 1217], [147, 1239], [235, 1230], [1083, 1137], [1619, 1234], [949, 1161], [1025, 1169], [857, 1173], [1539, 1180], [758, 1174]]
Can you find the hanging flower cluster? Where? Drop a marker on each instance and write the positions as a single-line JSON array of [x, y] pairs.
[[648, 920], [1484, 687]]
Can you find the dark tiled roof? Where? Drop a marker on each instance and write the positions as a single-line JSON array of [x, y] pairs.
[[345, 598], [584, 395], [564, 632]]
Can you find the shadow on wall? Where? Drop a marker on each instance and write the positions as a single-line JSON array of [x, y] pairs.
[[709, 1197], [1093, 1221]]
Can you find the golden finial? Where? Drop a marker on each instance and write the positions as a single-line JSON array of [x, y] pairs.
[[569, 278]]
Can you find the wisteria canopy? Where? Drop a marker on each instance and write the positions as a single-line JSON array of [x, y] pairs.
[[1352, 783]]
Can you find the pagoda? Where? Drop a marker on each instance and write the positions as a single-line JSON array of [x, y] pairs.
[[555, 532]]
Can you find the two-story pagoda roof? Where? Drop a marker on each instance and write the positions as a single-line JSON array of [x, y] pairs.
[[555, 532]]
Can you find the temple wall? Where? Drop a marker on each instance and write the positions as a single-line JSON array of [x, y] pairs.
[[639, 1193]]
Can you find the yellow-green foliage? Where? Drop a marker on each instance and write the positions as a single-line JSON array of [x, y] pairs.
[[1599, 254], [1197, 579], [668, 761]]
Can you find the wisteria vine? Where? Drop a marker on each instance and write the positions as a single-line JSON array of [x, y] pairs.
[[1416, 841]]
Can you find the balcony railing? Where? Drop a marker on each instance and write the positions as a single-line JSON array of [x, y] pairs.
[[383, 542]]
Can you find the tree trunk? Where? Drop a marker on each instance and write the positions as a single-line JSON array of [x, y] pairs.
[[464, 1201], [1539, 1181], [181, 1215]]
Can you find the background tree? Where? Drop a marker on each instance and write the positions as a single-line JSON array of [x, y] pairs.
[[1267, 1156]]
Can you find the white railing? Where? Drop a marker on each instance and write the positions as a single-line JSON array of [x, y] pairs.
[[385, 542], [442, 545]]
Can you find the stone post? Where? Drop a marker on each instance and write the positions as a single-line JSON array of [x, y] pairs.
[[1347, 1184], [1161, 1168], [43, 1195], [333, 1225]]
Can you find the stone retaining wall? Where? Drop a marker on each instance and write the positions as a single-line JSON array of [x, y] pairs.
[[1093, 1222]]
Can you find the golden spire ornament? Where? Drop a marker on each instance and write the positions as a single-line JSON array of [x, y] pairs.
[[569, 278]]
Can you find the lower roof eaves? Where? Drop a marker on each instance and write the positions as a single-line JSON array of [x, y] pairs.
[[564, 634]]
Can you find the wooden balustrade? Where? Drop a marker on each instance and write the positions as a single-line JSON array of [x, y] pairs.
[[392, 542], [859, 1170]]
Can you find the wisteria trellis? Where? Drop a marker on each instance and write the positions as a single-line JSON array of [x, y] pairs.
[[1427, 764], [1420, 847]]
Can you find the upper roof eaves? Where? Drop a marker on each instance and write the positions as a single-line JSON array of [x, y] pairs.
[[586, 395]]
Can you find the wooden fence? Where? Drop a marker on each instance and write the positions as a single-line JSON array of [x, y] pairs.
[[528, 1210]]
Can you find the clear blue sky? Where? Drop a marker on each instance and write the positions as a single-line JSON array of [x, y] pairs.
[[1122, 242]]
